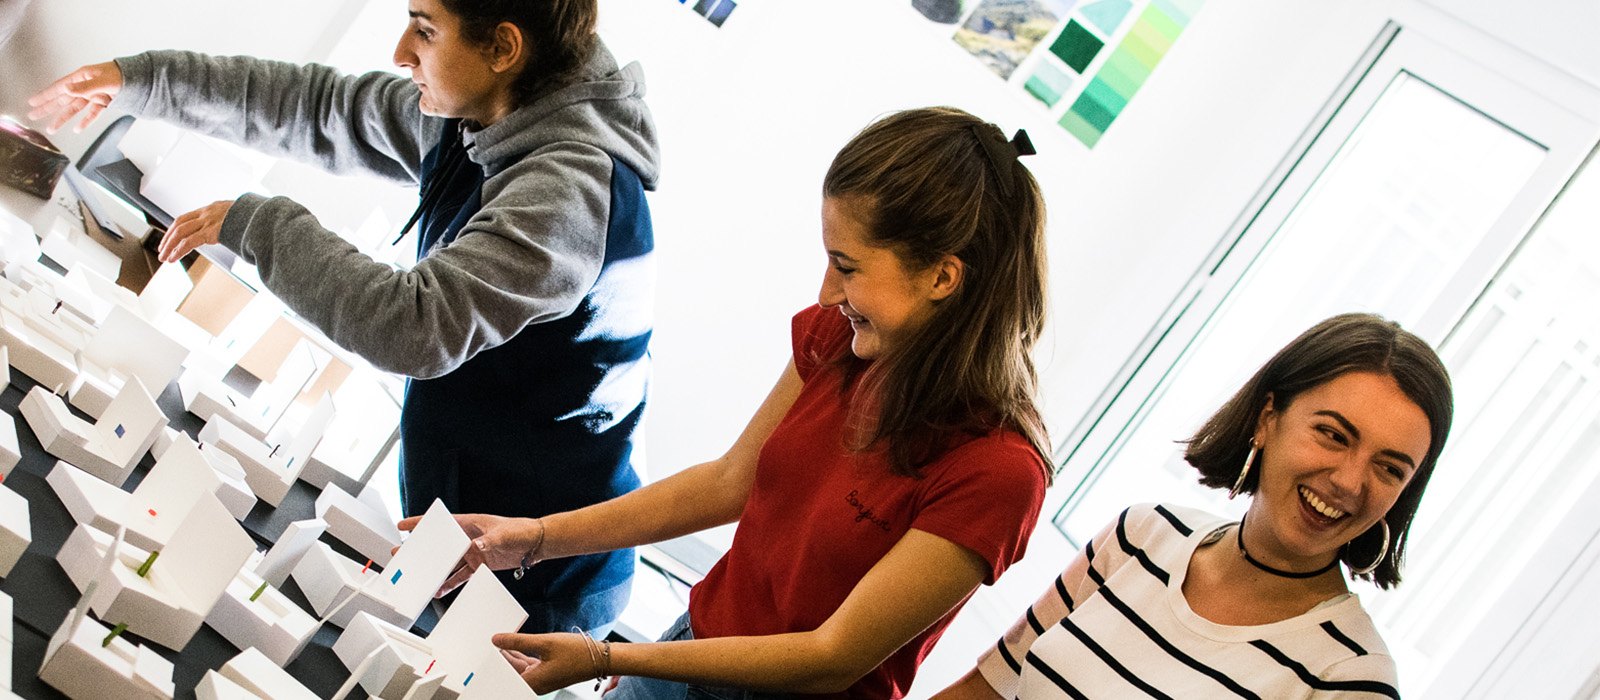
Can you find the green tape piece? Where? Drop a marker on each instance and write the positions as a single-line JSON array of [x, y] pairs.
[[115, 632], [1144, 53], [1107, 15], [1108, 98], [1048, 83], [144, 569], [1152, 36], [1081, 129], [1098, 115], [259, 590], [1076, 46]]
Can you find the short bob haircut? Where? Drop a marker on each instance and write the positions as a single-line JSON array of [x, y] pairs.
[[1346, 343]]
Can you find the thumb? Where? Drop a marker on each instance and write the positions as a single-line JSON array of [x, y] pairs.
[[534, 645]]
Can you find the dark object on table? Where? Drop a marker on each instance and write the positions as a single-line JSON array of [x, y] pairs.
[[28, 161]]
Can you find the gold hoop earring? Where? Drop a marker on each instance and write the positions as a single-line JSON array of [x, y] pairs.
[[1382, 552], [1244, 472]]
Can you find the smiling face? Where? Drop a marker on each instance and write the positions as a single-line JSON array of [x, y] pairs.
[[1332, 463], [871, 286], [457, 77]]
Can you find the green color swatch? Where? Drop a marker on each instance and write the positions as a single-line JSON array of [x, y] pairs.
[[1126, 69], [1076, 46], [1107, 15], [1076, 126], [1048, 82]]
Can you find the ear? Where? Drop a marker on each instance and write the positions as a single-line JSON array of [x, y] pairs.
[[946, 275], [1267, 419], [507, 50]]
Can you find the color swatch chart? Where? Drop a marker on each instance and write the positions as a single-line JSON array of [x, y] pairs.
[[1072, 69]]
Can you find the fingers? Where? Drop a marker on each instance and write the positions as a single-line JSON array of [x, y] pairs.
[[530, 645], [407, 524], [463, 571], [192, 230], [520, 662]]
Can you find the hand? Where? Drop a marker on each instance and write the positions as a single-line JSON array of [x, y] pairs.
[[88, 90], [194, 229], [498, 541], [550, 662]]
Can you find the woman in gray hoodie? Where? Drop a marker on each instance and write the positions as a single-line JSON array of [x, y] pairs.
[[523, 328]]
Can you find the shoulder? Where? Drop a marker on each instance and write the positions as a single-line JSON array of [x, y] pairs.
[[1166, 520], [551, 169], [1001, 454]]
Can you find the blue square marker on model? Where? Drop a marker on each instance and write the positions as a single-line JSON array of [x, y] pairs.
[[469, 679], [119, 431], [396, 578]]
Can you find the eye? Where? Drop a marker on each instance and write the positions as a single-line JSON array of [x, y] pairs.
[[424, 34], [842, 269], [1333, 434], [1394, 471]]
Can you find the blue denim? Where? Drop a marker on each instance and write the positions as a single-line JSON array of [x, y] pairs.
[[637, 688]]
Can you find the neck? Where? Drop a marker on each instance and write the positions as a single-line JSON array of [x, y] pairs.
[[1294, 572]]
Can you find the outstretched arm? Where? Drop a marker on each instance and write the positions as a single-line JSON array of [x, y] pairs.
[[920, 580], [700, 497]]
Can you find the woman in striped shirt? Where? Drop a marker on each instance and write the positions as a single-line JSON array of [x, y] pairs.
[[1337, 435]]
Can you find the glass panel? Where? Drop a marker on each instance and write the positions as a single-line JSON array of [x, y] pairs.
[[1396, 211], [1525, 446]]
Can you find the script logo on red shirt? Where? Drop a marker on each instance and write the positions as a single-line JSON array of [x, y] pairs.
[[864, 512]]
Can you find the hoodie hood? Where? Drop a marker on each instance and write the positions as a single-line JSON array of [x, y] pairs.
[[604, 108]]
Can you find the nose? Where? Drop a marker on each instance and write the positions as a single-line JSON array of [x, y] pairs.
[[404, 57], [1350, 476], [832, 292]]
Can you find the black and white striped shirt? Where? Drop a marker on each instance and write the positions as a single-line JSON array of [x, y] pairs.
[[1116, 625]]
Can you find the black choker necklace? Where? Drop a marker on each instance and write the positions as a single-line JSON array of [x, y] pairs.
[[1279, 572]]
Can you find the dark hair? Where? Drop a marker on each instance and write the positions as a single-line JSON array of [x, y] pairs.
[[924, 185], [559, 35], [1340, 345]]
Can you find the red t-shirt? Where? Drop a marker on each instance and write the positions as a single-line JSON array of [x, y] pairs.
[[821, 515]]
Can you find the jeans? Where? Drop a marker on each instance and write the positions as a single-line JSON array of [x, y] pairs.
[[637, 688]]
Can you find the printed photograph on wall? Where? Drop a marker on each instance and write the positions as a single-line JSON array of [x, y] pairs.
[[1001, 33]]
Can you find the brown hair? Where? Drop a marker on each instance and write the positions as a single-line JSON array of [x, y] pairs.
[[925, 185], [1340, 345], [559, 34]]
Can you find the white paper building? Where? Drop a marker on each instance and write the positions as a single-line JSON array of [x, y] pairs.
[[271, 623], [123, 345], [167, 605], [297, 539], [108, 448], [255, 674], [338, 588], [363, 523], [270, 470], [153, 511], [232, 489], [454, 650], [16, 533], [84, 660]]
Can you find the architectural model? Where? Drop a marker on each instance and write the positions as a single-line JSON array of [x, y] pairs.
[[163, 598], [86, 660], [16, 532], [108, 448], [270, 470], [363, 523], [339, 588], [153, 511], [454, 650]]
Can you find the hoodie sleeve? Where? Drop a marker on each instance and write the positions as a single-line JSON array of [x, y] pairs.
[[369, 123], [529, 255]]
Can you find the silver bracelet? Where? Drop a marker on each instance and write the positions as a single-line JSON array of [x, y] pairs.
[[523, 564]]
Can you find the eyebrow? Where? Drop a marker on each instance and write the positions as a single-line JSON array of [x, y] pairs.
[[841, 256], [1351, 428], [420, 15]]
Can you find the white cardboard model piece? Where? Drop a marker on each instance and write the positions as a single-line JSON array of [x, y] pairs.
[[454, 649], [215, 686], [34, 353], [204, 395], [153, 511], [363, 523], [84, 660], [124, 345], [232, 490], [339, 588], [253, 614], [495, 679], [270, 470], [255, 673], [7, 639], [297, 539], [108, 448], [16, 533], [168, 604]]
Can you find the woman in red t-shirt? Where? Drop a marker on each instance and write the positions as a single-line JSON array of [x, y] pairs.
[[899, 462]]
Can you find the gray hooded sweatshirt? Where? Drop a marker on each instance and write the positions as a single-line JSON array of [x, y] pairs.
[[525, 323]]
